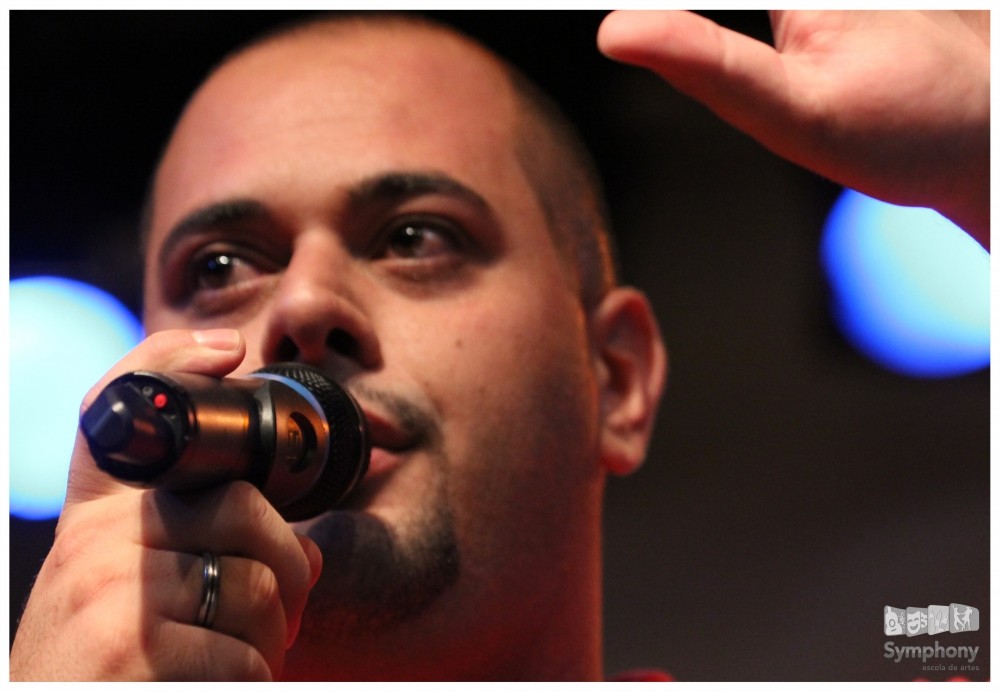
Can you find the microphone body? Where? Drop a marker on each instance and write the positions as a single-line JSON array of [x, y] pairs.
[[286, 428]]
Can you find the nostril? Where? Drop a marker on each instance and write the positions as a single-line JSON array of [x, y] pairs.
[[287, 350], [338, 341], [341, 342]]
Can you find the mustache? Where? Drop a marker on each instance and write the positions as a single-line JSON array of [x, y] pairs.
[[409, 416]]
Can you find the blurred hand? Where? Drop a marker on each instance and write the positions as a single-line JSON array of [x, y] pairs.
[[894, 104], [118, 595]]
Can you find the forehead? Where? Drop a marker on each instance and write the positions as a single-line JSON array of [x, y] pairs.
[[386, 61], [344, 100]]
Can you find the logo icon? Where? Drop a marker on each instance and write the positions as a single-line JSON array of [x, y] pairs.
[[894, 618], [916, 621], [938, 617], [964, 618], [934, 619]]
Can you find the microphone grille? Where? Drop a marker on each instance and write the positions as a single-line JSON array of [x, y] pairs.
[[349, 447]]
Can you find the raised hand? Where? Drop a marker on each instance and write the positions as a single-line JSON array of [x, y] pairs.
[[892, 103]]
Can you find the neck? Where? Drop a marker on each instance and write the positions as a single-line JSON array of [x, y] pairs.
[[556, 635]]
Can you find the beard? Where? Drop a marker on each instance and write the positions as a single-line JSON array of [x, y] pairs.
[[379, 574]]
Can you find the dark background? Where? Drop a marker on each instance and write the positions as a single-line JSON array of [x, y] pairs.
[[792, 490]]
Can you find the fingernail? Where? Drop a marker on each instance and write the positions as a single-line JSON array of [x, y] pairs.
[[218, 339]]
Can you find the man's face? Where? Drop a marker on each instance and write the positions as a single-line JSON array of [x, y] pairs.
[[357, 204]]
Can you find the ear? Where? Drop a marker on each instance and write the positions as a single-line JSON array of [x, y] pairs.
[[631, 366]]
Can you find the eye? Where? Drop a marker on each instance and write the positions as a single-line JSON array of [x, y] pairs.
[[422, 239], [220, 278], [215, 270]]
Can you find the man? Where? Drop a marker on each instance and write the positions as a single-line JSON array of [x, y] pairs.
[[338, 196]]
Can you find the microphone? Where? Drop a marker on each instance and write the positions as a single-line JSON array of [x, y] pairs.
[[286, 428]]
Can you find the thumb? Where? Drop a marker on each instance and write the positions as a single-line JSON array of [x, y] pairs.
[[214, 352], [740, 78]]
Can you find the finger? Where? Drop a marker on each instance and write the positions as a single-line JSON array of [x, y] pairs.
[[231, 520], [181, 652], [213, 352], [743, 80], [315, 557], [247, 599], [235, 519]]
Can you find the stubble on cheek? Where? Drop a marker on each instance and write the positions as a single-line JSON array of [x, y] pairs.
[[529, 467]]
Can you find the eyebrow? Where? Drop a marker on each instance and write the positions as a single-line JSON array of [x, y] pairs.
[[211, 217], [389, 188], [398, 186]]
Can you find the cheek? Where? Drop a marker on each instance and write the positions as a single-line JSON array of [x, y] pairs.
[[519, 406], [507, 361]]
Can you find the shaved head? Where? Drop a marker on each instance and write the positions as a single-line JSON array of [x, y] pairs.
[[551, 152]]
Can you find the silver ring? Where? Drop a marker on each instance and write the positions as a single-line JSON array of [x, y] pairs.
[[209, 592]]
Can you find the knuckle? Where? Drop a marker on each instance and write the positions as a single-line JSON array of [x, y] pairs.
[[69, 546], [117, 650], [224, 660], [97, 584], [263, 592], [255, 667], [210, 657], [255, 508]]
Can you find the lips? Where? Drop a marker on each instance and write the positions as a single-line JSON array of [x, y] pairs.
[[389, 441]]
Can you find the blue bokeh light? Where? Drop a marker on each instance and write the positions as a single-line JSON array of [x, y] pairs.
[[910, 289], [64, 335]]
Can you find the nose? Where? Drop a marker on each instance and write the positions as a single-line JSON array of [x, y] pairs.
[[313, 316]]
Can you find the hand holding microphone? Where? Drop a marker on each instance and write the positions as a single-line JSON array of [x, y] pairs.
[[148, 585], [286, 428]]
